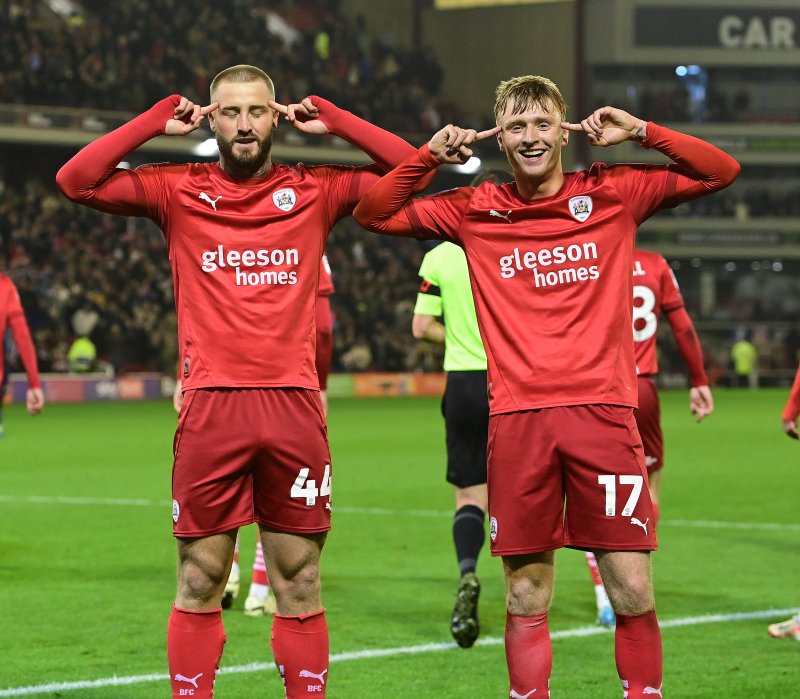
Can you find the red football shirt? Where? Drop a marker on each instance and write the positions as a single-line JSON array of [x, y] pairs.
[[245, 258], [655, 289], [12, 316], [245, 255], [551, 277]]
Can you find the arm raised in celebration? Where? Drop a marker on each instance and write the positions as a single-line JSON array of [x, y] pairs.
[[701, 167], [91, 176]]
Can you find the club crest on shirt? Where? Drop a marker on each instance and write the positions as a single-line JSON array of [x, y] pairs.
[[176, 511], [493, 528], [580, 208], [284, 199]]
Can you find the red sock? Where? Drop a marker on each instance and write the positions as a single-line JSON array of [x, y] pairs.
[[300, 648], [591, 561], [194, 647], [529, 655], [259, 569], [638, 653]]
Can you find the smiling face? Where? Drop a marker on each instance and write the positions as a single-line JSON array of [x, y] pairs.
[[529, 110], [532, 140], [243, 125]]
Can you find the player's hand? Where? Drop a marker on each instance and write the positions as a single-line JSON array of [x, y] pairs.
[[609, 126], [451, 145], [34, 400], [187, 117], [701, 402], [790, 427], [304, 116], [177, 397]]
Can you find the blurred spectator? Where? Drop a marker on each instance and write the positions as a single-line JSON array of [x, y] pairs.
[[745, 363], [82, 355]]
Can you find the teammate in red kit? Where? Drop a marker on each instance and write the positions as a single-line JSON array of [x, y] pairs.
[[12, 316], [550, 258], [245, 237], [656, 292], [791, 627]]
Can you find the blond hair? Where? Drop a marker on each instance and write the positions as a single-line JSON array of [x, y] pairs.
[[527, 90], [242, 73]]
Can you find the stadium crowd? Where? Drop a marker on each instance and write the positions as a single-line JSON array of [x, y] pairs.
[[97, 46]]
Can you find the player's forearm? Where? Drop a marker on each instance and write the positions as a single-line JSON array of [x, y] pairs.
[[83, 175], [688, 345], [711, 167], [383, 147], [27, 352], [792, 408], [425, 327], [383, 208]]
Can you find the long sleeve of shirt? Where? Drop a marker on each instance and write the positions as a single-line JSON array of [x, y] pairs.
[[91, 176], [703, 168], [688, 345], [792, 408], [22, 339]]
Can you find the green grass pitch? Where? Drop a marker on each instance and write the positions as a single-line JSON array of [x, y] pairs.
[[87, 561]]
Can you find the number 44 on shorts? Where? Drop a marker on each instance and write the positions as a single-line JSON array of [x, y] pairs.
[[307, 488], [610, 482]]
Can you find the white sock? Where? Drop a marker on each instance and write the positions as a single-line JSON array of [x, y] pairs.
[[601, 596], [259, 591]]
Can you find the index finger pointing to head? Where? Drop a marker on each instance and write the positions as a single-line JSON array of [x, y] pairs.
[[488, 133], [278, 107], [210, 108], [571, 127]]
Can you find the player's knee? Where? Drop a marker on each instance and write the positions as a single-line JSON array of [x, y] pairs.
[[201, 579], [526, 596], [633, 596]]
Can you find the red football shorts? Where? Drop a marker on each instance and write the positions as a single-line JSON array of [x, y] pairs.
[[324, 355], [648, 420], [587, 456], [251, 455]]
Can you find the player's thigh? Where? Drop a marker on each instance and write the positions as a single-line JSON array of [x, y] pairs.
[[526, 487], [293, 564], [607, 501], [292, 477], [214, 447], [648, 421], [465, 407], [205, 560], [628, 579]]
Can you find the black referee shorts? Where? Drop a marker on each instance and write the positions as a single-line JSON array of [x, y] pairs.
[[465, 407]]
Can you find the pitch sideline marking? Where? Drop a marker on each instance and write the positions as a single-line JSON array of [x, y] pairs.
[[386, 652], [379, 511]]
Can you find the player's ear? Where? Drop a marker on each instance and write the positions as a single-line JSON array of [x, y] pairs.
[[499, 138]]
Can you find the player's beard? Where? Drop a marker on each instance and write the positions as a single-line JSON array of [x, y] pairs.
[[242, 167]]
